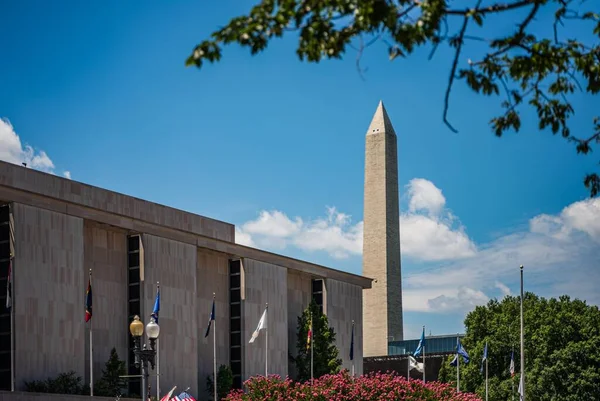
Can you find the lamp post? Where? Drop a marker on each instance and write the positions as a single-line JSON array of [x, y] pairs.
[[143, 355]]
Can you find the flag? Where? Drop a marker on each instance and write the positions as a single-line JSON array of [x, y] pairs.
[[414, 364], [184, 396], [309, 336], [156, 309], [352, 343], [460, 351], [521, 392], [210, 318], [419, 349], [511, 367], [262, 324], [9, 286], [169, 394], [88, 300], [485, 351]]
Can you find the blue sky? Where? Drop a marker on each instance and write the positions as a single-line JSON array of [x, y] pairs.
[[269, 143]]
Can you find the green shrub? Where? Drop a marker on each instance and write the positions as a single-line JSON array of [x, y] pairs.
[[224, 382], [64, 383]]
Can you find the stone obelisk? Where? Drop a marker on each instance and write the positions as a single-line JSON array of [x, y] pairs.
[[382, 304]]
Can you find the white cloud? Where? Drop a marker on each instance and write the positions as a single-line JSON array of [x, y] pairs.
[[424, 195], [465, 298], [12, 151], [67, 174], [559, 252], [243, 238], [334, 233], [503, 288], [427, 232]]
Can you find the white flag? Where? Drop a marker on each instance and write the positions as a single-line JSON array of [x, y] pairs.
[[262, 324], [521, 393], [414, 364]]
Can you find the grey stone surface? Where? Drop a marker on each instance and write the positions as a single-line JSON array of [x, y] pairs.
[[174, 265], [344, 302], [49, 291], [382, 306], [264, 283], [24, 396], [105, 252], [60, 188], [299, 294], [212, 276], [60, 235]]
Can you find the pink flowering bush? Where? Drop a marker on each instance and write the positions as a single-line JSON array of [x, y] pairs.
[[342, 387]]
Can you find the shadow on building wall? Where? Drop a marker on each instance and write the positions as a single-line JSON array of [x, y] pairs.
[[399, 364]]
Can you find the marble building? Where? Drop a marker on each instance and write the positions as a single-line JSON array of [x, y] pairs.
[[61, 228]]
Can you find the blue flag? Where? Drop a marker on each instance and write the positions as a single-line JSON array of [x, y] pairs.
[[460, 351], [210, 319], [485, 350], [156, 309], [421, 345], [352, 343]]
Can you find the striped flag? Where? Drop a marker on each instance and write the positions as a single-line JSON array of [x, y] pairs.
[[9, 287], [310, 334], [169, 394]]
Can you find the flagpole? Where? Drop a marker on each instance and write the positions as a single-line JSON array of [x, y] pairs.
[[457, 367], [486, 375], [267, 341], [424, 355], [215, 352], [157, 356], [522, 343], [91, 352], [311, 350], [10, 288]]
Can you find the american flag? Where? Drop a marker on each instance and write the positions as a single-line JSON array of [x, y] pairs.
[[184, 396]]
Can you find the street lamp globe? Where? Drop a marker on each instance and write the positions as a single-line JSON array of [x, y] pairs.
[[152, 330], [136, 327]]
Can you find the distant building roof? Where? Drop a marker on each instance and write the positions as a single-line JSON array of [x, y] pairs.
[[439, 344]]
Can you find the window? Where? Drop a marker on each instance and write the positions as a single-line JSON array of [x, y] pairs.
[[317, 292], [133, 304], [235, 322]]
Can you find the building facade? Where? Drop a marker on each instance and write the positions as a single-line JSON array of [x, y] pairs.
[[58, 229]]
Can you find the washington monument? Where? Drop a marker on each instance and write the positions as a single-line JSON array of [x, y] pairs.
[[382, 304]]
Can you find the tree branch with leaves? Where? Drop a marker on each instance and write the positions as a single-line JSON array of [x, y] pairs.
[[528, 70]]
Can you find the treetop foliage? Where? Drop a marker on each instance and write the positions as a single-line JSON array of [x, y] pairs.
[[562, 349], [527, 69]]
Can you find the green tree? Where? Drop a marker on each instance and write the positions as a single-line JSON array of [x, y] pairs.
[[537, 70], [562, 349], [111, 384], [65, 383], [325, 353], [224, 382]]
